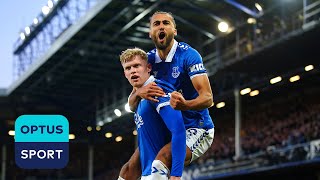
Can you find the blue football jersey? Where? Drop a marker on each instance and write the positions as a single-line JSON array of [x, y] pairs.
[[152, 120], [181, 65]]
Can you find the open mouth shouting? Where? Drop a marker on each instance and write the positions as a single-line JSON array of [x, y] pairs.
[[161, 36], [135, 78]]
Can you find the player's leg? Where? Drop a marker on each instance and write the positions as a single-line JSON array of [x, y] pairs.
[[165, 156], [198, 142], [132, 169], [163, 161]]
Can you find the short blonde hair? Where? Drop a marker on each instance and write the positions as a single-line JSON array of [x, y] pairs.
[[128, 54]]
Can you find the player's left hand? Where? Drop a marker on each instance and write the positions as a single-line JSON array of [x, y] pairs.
[[177, 101]]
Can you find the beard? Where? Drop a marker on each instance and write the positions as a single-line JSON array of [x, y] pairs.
[[165, 44]]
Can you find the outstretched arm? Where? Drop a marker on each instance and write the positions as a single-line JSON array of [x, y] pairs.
[[146, 92], [204, 100], [174, 121]]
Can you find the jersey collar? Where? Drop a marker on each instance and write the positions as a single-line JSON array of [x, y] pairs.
[[151, 79], [170, 55]]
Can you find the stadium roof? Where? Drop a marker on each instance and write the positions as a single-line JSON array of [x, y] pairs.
[[82, 63]]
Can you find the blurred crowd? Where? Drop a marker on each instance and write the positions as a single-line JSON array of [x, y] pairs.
[[279, 123]]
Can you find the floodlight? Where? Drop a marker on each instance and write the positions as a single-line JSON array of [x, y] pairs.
[[118, 139], [117, 112], [294, 78], [220, 104], [275, 80], [245, 91], [45, 10], [223, 26]]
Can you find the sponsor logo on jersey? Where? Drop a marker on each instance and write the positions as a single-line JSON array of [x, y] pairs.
[[138, 120], [197, 67]]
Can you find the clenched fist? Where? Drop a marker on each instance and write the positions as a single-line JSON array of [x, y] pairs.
[[177, 101]]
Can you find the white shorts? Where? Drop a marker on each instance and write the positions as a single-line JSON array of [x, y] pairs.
[[145, 177], [199, 141]]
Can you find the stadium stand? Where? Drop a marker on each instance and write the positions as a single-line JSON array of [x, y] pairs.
[[74, 71], [273, 133]]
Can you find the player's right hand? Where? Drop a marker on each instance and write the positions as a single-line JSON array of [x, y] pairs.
[[150, 91]]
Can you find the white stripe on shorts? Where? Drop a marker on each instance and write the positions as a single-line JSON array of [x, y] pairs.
[[199, 141]]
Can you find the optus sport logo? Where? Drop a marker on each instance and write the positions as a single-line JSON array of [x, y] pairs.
[[41, 141]]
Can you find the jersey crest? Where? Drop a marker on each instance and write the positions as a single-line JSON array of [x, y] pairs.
[[155, 73], [175, 72]]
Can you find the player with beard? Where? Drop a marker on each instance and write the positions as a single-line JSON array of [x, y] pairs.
[[180, 65]]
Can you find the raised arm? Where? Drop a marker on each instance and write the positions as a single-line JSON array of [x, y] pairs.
[[204, 100]]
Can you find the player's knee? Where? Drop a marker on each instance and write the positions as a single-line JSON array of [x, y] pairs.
[[130, 171], [165, 156]]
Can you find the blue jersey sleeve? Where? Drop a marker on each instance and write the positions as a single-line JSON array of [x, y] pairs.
[[194, 63], [174, 121]]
